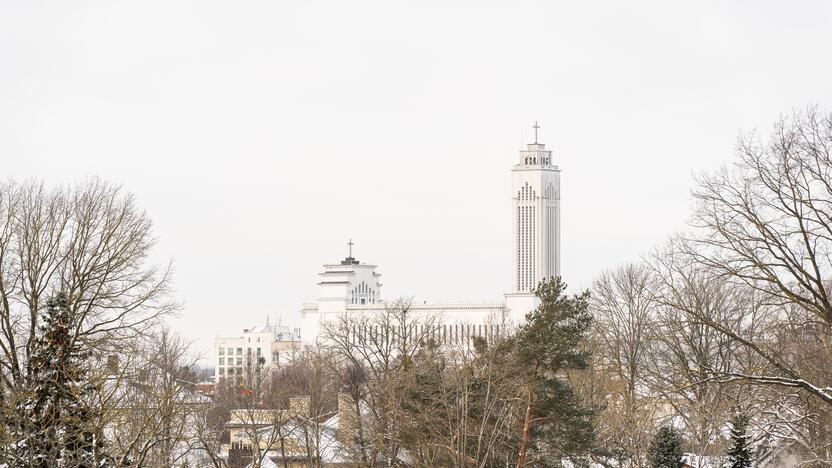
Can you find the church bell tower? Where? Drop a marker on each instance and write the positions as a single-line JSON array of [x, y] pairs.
[[535, 183]]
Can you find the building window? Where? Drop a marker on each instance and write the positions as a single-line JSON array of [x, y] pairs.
[[239, 361], [222, 371], [239, 351], [221, 351], [222, 361], [230, 371], [258, 351], [275, 356]]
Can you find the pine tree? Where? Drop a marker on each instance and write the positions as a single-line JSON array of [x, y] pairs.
[[739, 455], [51, 427], [666, 449], [549, 345]]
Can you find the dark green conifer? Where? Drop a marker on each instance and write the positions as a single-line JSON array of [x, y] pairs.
[[739, 455], [546, 349], [52, 425], [666, 449]]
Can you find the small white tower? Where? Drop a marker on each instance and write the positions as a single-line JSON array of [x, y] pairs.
[[535, 182], [343, 285]]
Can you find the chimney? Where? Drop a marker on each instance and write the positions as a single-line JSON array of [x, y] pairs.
[[347, 419], [299, 406]]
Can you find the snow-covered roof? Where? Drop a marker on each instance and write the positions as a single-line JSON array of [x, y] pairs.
[[266, 463], [331, 449], [701, 461], [245, 417]]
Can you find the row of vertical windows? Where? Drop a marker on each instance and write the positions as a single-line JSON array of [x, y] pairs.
[[551, 229], [519, 265], [230, 361], [527, 236], [222, 359], [221, 351], [549, 220], [441, 334], [363, 294], [526, 242], [533, 160], [550, 239], [532, 257]]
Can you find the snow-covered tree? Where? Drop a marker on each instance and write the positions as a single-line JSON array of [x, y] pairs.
[[739, 455], [666, 449], [51, 423], [764, 223], [89, 240]]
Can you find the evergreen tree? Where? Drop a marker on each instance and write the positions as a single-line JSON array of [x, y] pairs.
[[51, 427], [666, 449], [739, 455], [548, 346]]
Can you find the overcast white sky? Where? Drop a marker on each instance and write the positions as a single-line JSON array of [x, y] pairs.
[[259, 136]]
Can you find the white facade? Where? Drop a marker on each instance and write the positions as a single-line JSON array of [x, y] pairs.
[[353, 288], [535, 220], [348, 283], [257, 348]]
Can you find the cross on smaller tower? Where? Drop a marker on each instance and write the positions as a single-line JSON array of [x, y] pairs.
[[535, 127], [350, 243]]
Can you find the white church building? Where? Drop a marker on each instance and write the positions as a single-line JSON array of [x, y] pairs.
[[354, 288]]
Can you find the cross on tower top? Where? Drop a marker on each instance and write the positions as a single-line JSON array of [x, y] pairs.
[[535, 127], [350, 260]]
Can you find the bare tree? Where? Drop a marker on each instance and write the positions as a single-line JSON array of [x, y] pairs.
[[689, 352], [625, 312], [209, 431], [89, 242], [380, 350], [793, 429], [150, 402], [262, 431], [231, 408], [767, 222], [461, 407], [313, 382]]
